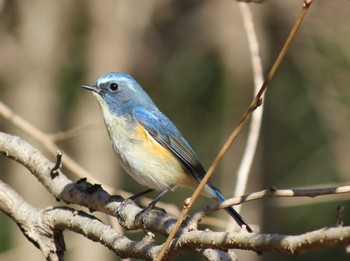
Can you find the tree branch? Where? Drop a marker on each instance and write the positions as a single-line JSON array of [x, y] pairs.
[[93, 196], [255, 124], [292, 244], [44, 227], [44, 139], [269, 193], [80, 193], [30, 222], [48, 142]]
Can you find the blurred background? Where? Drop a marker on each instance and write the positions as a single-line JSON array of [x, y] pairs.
[[192, 58]]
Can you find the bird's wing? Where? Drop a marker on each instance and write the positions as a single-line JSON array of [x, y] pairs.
[[165, 133]]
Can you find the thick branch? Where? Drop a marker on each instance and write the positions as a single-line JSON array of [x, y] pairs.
[[82, 193], [91, 196], [30, 222], [44, 227]]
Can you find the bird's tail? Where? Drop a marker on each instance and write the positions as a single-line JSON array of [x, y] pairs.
[[230, 210]]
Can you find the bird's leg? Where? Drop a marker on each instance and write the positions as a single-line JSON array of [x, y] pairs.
[[152, 205], [162, 194], [132, 199], [136, 196]]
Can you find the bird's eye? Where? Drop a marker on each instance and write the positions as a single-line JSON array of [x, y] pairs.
[[113, 86]]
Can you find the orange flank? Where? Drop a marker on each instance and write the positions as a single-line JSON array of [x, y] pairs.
[[170, 170], [154, 146]]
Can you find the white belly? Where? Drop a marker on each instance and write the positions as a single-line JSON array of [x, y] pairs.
[[147, 168]]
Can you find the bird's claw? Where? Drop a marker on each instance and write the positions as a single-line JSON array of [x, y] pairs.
[[145, 213]]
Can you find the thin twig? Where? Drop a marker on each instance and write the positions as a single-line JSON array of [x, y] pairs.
[[41, 137], [292, 244], [272, 192], [54, 170], [255, 103], [255, 125], [69, 134]]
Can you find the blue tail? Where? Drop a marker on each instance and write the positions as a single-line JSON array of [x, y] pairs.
[[230, 210]]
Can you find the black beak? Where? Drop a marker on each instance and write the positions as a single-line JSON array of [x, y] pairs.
[[91, 87]]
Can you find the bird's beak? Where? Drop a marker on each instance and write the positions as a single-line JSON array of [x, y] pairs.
[[91, 87]]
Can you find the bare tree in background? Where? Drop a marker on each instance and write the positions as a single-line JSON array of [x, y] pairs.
[[48, 49]]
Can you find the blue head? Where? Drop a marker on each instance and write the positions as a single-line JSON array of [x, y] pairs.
[[120, 92]]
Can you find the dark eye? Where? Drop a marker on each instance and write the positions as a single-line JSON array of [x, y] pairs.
[[113, 86]]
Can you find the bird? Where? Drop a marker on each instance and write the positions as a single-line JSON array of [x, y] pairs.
[[147, 143]]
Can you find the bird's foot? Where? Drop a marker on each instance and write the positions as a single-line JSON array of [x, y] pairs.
[[122, 206], [146, 215]]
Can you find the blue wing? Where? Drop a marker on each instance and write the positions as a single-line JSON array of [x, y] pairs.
[[165, 132]]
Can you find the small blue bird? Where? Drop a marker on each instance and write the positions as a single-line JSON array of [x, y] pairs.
[[148, 145]]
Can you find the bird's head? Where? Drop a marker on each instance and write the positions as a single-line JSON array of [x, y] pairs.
[[119, 92]]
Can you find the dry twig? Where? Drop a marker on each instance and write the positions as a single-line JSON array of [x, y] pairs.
[[255, 125], [272, 192], [255, 104]]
